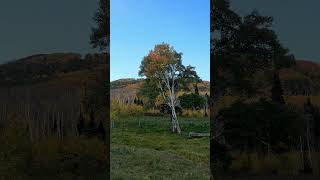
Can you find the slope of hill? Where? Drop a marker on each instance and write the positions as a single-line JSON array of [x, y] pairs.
[[70, 68], [44, 67], [309, 68], [301, 79], [122, 83]]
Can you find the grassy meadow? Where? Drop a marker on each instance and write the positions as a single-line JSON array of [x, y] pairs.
[[144, 148]]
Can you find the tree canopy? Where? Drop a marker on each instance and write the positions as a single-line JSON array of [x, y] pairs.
[[242, 47], [163, 67]]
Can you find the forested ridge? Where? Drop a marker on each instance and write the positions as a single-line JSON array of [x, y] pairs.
[[43, 67]]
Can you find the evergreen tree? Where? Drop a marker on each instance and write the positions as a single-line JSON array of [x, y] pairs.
[[277, 92], [138, 101], [135, 101], [196, 89], [80, 124], [149, 91], [206, 105], [102, 131]]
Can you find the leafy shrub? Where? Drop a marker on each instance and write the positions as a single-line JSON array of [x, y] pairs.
[[192, 101], [165, 108], [193, 113]]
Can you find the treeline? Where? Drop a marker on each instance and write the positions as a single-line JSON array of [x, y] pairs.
[[41, 110], [121, 83], [189, 104]]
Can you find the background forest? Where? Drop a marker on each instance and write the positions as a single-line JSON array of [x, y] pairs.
[[265, 103], [53, 112]]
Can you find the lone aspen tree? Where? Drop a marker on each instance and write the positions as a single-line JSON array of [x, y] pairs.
[[164, 68]]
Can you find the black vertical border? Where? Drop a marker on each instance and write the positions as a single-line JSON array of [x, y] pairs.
[[106, 57], [211, 92]]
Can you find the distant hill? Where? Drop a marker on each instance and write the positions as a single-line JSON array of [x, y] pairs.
[[68, 69], [301, 79], [124, 83], [128, 88], [45, 67]]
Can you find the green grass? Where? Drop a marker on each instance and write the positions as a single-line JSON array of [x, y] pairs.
[[144, 148], [296, 177]]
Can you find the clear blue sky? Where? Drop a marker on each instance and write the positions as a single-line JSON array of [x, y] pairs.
[[136, 26]]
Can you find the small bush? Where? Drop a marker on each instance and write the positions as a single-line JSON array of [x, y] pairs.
[[125, 110], [192, 101], [166, 109]]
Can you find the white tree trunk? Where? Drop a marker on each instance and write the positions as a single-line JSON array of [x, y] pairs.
[[174, 119], [171, 100]]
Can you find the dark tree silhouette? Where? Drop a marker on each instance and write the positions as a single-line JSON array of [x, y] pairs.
[[190, 76], [135, 101], [277, 92], [100, 34], [206, 105], [101, 131], [308, 136], [80, 124], [242, 47], [100, 38], [196, 89]]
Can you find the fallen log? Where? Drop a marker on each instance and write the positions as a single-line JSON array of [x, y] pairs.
[[198, 135]]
